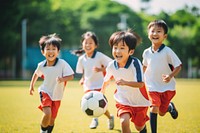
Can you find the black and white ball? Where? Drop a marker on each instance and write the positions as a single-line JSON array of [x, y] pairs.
[[94, 103]]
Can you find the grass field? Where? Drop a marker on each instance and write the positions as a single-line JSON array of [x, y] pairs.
[[19, 113]]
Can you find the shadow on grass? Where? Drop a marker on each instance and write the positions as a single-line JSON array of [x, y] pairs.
[[119, 131]]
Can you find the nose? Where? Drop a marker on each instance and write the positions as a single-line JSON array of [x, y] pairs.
[[154, 33], [117, 50]]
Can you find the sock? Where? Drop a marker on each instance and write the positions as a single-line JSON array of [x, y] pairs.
[[153, 122], [144, 130], [50, 128], [44, 128]]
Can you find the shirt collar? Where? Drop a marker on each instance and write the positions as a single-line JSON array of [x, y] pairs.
[[45, 64], [159, 49], [127, 63], [94, 54]]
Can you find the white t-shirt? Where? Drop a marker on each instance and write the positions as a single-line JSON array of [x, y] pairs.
[[158, 63], [92, 80], [50, 86], [132, 71]]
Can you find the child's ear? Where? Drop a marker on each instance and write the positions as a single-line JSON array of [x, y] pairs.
[[131, 52], [42, 51], [165, 36]]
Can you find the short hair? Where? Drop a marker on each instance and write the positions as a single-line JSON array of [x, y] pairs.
[[159, 23], [50, 39], [129, 37]]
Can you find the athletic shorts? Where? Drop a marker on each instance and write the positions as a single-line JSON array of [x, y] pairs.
[[161, 99], [138, 114], [47, 102], [93, 90]]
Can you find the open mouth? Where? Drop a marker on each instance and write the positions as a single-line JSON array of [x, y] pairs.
[[155, 38], [87, 48], [50, 56], [118, 57]]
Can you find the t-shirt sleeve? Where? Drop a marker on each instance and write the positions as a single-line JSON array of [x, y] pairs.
[[79, 66], [144, 61], [38, 70], [108, 73], [173, 59], [67, 70], [105, 60]]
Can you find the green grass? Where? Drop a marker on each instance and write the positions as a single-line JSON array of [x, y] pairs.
[[19, 113]]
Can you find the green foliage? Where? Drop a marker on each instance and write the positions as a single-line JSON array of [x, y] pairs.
[[71, 18]]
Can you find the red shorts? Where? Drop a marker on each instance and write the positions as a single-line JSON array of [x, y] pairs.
[[161, 99], [47, 102], [93, 90], [138, 114]]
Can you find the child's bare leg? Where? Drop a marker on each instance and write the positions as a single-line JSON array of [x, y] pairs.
[[125, 123], [110, 120], [107, 113], [46, 118]]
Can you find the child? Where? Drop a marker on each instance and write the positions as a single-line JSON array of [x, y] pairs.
[[131, 96], [92, 65], [56, 72], [160, 65]]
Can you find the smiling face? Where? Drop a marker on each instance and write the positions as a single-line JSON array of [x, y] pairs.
[[51, 53], [157, 35], [89, 46], [121, 53]]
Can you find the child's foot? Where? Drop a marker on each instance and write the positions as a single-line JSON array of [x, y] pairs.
[[41, 131], [172, 110], [111, 123], [94, 123]]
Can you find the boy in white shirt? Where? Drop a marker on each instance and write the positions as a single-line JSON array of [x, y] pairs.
[[56, 72], [160, 65], [131, 96]]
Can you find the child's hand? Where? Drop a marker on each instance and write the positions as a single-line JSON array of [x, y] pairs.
[[97, 69], [59, 79], [121, 82], [166, 78], [81, 81], [31, 90]]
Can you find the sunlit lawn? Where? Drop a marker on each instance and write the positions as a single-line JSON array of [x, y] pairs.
[[19, 113]]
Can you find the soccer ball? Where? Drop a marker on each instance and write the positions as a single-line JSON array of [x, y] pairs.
[[94, 103]]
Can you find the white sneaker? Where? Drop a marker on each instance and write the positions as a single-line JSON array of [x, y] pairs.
[[111, 123], [41, 131], [94, 123]]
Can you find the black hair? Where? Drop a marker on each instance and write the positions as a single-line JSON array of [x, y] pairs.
[[129, 37], [159, 23], [83, 37], [50, 39]]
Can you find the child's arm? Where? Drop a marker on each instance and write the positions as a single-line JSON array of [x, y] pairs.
[[144, 68], [105, 84], [167, 78], [65, 78], [33, 80], [81, 80], [130, 83]]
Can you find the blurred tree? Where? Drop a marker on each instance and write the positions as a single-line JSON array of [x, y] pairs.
[[70, 19]]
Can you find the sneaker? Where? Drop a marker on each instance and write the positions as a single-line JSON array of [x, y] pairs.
[[94, 123], [172, 110], [41, 131], [111, 123]]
